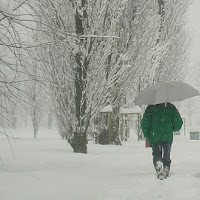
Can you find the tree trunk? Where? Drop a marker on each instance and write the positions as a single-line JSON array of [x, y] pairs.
[[115, 126], [156, 58], [35, 124], [161, 12], [79, 141]]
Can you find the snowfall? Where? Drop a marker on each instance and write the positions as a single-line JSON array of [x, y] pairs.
[[47, 169]]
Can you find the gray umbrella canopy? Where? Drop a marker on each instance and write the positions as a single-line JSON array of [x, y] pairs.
[[165, 91]]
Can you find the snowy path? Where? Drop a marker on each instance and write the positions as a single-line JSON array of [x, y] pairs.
[[47, 169]]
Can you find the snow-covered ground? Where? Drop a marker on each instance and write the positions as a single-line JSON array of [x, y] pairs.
[[47, 169]]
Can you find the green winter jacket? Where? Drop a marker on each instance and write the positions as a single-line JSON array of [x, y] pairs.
[[159, 122]]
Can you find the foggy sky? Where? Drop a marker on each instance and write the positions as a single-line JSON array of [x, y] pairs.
[[194, 27]]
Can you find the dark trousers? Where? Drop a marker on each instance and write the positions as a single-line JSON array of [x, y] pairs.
[[161, 152]]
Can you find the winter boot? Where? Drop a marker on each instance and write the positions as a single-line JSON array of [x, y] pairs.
[[160, 170], [166, 171]]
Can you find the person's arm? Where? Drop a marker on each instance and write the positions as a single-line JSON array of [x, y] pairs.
[[146, 122], [177, 121]]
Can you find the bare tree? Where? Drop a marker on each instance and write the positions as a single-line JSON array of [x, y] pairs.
[[11, 67], [80, 77], [35, 93], [171, 52]]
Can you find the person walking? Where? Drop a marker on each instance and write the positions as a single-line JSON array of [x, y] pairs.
[[158, 125]]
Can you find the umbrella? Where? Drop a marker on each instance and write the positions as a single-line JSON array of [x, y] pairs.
[[166, 91]]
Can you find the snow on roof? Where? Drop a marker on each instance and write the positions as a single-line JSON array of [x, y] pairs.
[[106, 109], [133, 110]]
